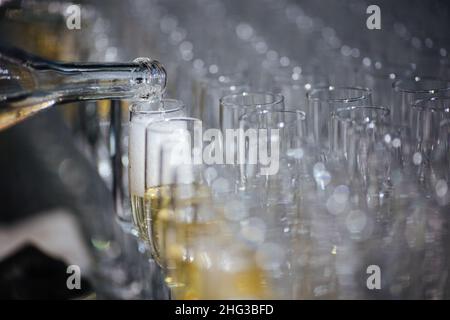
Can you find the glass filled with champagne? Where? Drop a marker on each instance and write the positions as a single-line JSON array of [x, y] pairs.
[[141, 114], [173, 188]]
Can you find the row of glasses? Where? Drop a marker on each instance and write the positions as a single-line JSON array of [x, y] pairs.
[[322, 102], [187, 231], [384, 175], [364, 209], [315, 219], [141, 114], [325, 210]]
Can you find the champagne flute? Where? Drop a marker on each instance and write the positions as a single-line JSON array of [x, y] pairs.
[[141, 114], [172, 181]]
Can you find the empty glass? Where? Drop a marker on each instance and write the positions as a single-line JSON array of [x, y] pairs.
[[430, 123], [212, 88], [322, 102], [232, 107], [407, 91]]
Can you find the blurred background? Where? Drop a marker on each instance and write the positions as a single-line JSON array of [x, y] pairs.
[[62, 202]]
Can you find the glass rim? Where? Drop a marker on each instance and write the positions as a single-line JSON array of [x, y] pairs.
[[423, 104], [178, 106], [396, 85], [302, 114], [367, 91], [384, 111], [277, 99], [148, 127]]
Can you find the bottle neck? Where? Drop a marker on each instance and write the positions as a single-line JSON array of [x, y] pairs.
[[73, 82], [34, 84]]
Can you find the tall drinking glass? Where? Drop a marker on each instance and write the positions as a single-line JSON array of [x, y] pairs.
[[407, 91], [141, 114], [212, 88], [173, 178], [322, 102], [232, 107], [430, 123]]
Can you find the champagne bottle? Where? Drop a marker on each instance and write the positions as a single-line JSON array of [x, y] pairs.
[[29, 84]]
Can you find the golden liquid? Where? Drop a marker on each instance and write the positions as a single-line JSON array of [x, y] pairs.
[[174, 242], [153, 212], [140, 219], [204, 276], [169, 219], [172, 217]]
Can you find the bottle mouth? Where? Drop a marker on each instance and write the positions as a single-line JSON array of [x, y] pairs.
[[149, 77]]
